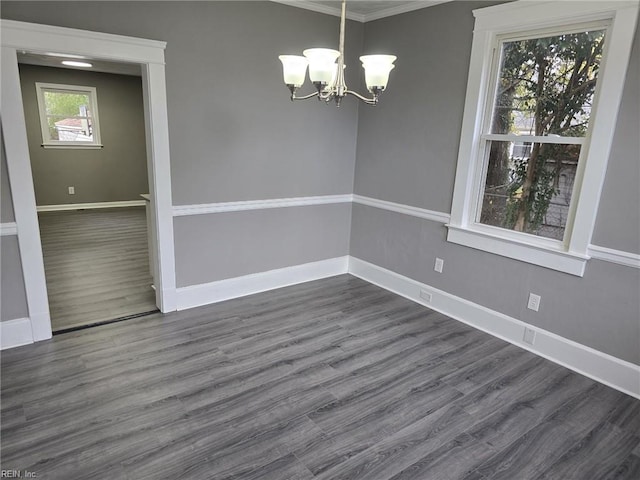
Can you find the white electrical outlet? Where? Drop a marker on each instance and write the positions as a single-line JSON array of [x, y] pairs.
[[439, 264], [534, 302], [529, 335], [72, 190], [426, 296]]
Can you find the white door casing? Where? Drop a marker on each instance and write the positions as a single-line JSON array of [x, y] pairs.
[[149, 54]]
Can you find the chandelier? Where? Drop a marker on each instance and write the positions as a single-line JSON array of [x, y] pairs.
[[327, 75]]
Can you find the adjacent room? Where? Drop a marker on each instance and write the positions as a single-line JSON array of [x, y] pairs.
[[437, 280], [90, 175]]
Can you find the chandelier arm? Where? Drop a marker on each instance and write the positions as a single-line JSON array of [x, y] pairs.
[[305, 97], [368, 101]]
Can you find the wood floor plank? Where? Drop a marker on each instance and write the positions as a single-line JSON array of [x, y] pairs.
[[284, 468], [96, 265], [359, 434], [628, 469], [601, 450], [333, 379], [455, 459], [396, 452]]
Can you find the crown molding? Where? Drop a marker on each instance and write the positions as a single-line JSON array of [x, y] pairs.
[[320, 8], [404, 8], [359, 17]]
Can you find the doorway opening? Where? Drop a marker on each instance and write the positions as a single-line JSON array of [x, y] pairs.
[[86, 133], [148, 56]]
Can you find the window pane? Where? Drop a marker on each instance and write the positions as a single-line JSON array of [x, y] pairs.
[[528, 187], [546, 85], [63, 112]]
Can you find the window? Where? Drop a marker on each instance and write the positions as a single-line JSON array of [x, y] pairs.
[[542, 97], [68, 116]]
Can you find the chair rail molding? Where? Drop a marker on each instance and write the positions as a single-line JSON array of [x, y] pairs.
[[222, 207], [620, 257], [433, 215], [8, 228]]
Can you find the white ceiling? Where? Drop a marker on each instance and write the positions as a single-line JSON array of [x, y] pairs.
[[98, 65], [363, 10]]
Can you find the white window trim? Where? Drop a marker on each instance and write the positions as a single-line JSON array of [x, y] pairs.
[[47, 141], [570, 256]]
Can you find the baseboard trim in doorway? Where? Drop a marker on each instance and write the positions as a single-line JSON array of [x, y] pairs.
[[15, 333], [105, 322], [89, 206]]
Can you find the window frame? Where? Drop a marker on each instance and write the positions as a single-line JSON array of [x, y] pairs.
[[47, 141], [492, 25]]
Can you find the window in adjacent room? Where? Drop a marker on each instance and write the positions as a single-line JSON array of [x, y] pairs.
[[543, 93], [68, 116]]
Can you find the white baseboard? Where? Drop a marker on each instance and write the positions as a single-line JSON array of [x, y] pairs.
[[204, 294], [87, 206], [611, 371], [14, 333]]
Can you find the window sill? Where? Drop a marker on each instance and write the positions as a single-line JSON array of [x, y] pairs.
[[74, 146], [544, 256]]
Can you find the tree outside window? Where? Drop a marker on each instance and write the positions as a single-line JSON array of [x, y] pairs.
[[545, 91]]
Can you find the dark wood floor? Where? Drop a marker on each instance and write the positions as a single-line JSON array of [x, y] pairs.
[[96, 264], [334, 379]]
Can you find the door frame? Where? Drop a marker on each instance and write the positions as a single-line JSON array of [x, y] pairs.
[[149, 54]]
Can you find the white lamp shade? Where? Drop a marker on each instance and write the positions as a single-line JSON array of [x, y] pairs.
[[294, 68], [321, 64], [376, 69]]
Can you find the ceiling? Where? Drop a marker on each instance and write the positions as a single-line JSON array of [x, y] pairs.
[[363, 10], [54, 60]]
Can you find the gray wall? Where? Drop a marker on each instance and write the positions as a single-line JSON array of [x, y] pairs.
[[13, 300], [6, 202], [114, 173], [407, 153], [234, 134], [240, 243], [618, 214]]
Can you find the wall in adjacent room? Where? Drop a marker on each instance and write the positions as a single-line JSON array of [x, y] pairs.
[[116, 172], [407, 153]]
